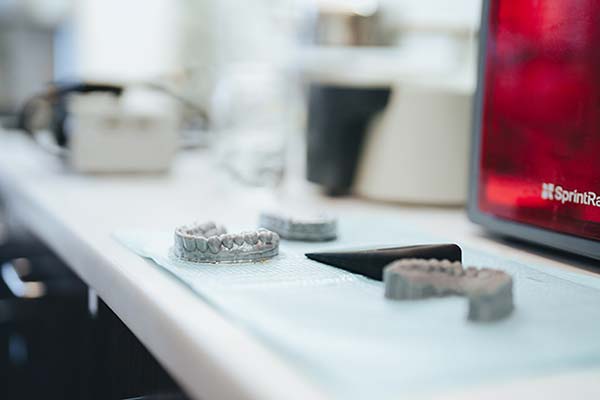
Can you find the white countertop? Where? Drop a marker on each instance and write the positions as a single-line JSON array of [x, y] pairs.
[[208, 355]]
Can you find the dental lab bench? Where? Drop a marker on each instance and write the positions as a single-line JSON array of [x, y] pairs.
[[207, 354]]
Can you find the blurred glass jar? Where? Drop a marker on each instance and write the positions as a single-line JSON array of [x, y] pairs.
[[257, 102], [254, 112]]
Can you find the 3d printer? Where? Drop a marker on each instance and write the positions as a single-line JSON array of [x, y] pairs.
[[535, 167]]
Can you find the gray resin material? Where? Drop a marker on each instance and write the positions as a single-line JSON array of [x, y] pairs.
[[311, 229], [489, 291], [209, 243]]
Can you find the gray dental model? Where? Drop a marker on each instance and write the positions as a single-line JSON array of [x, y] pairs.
[[311, 229], [489, 291], [209, 243]]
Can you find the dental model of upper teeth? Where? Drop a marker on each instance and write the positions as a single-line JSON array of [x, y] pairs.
[[311, 229], [489, 291], [209, 243]]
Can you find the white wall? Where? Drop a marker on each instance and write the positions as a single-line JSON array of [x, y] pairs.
[[124, 40]]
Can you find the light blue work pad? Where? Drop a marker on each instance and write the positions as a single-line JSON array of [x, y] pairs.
[[337, 328]]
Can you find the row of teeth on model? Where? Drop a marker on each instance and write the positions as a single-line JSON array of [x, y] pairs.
[[435, 265], [225, 241], [297, 225], [453, 268]]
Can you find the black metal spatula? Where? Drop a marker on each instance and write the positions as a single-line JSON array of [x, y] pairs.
[[371, 262]]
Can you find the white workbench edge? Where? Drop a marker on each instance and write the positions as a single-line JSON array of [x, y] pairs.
[[218, 361]]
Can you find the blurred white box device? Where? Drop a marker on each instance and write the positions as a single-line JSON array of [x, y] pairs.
[[128, 133]]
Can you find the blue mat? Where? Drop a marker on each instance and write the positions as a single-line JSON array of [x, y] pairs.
[[339, 331]]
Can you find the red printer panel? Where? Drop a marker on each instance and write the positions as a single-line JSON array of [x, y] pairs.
[[540, 143]]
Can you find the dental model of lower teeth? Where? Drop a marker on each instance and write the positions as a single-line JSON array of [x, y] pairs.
[[489, 291], [209, 243], [310, 229]]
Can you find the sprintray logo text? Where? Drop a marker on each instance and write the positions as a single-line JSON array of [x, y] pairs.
[[551, 191]]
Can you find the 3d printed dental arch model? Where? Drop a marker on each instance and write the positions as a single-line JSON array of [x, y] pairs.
[[209, 243], [310, 229], [489, 291]]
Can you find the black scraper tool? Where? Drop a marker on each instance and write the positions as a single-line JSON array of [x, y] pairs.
[[371, 262]]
